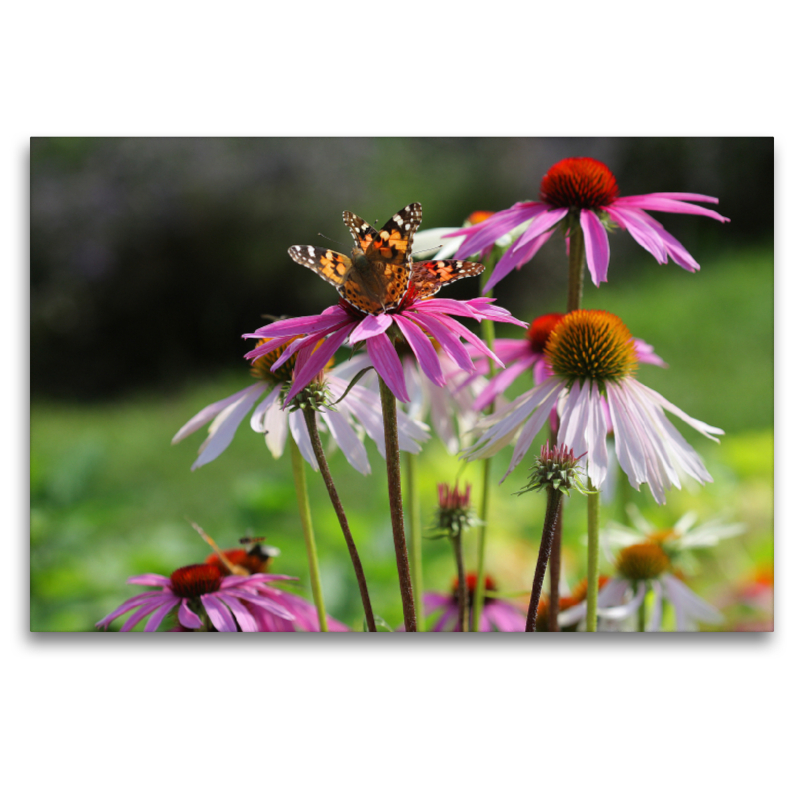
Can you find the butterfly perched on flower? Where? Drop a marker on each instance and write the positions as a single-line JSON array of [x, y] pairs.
[[379, 272]]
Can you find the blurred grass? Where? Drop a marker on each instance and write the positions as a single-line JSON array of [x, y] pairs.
[[110, 497]]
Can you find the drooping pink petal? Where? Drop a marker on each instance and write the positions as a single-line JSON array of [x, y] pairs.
[[646, 354], [243, 616], [688, 605], [187, 617], [534, 424], [159, 614], [660, 202], [143, 612], [386, 361], [221, 618], [421, 346], [266, 347], [299, 431], [439, 328], [208, 413], [597, 250], [500, 382], [370, 326], [465, 333], [352, 447], [316, 361], [225, 425], [486, 233], [637, 223], [146, 598], [515, 257]]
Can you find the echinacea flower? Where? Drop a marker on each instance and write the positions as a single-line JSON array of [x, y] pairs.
[[497, 614], [256, 559], [648, 565], [583, 192], [206, 599], [566, 601], [520, 355], [417, 320], [593, 357], [360, 409]]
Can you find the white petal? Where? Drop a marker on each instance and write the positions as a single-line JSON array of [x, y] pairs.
[[224, 426], [352, 447]]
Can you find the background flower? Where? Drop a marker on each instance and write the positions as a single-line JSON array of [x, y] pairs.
[[584, 191]]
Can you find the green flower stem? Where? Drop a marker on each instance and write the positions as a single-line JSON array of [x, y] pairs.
[[642, 615], [487, 330], [311, 423], [592, 575], [548, 533], [389, 406], [463, 605], [555, 555], [415, 539], [301, 489]]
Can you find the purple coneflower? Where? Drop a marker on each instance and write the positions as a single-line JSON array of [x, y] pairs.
[[647, 565], [360, 409], [416, 320], [584, 191], [593, 357], [520, 355], [208, 600], [497, 615]]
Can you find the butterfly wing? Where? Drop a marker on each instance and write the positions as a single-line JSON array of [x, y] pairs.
[[328, 264], [427, 277]]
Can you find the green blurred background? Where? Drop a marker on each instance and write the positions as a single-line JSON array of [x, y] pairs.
[[150, 258]]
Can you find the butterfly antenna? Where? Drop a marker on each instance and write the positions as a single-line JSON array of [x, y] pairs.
[[232, 568], [330, 240]]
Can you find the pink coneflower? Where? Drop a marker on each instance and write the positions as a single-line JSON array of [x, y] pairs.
[[416, 320], [360, 409], [520, 355], [497, 615], [642, 567], [584, 191], [208, 600], [256, 559], [593, 356]]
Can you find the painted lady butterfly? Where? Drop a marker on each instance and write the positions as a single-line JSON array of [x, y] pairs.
[[378, 273]]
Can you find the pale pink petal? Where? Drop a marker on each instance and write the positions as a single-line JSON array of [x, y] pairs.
[[208, 413], [225, 425], [352, 447], [299, 430], [646, 354], [688, 605], [386, 361], [258, 418], [654, 623], [597, 250]]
